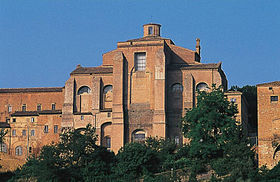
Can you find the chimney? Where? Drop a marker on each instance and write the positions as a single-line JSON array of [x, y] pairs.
[[197, 46], [151, 29]]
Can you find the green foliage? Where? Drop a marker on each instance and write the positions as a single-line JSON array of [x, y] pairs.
[[216, 142], [165, 150], [135, 160], [75, 158], [3, 132]]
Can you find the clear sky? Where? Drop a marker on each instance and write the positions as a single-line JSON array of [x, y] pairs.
[[42, 41]]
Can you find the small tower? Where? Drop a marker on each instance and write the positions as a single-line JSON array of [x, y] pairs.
[[197, 47], [151, 29]]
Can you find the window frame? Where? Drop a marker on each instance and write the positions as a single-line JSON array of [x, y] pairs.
[[18, 151], [39, 107], [53, 106], [46, 128], [140, 64], [274, 98], [24, 132], [32, 133], [23, 108], [55, 129]]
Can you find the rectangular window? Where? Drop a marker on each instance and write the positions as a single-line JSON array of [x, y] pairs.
[[14, 133], [273, 98], [55, 128], [32, 120], [14, 120], [7, 120], [150, 31], [53, 107], [82, 117], [30, 150], [9, 108], [23, 108], [140, 61], [23, 132], [32, 133], [46, 129], [39, 107]]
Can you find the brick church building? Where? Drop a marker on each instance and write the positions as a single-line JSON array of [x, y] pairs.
[[141, 89]]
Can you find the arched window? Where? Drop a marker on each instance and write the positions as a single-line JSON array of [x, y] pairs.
[[3, 147], [177, 88], [107, 93], [83, 89], [202, 87], [19, 150], [139, 136]]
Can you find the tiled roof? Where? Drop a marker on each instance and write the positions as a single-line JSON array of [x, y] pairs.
[[95, 70], [4, 125], [41, 89], [195, 66], [275, 83], [147, 38], [35, 113]]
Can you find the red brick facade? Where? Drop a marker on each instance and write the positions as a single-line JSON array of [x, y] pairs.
[[141, 89]]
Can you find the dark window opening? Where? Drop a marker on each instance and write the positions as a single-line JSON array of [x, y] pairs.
[[14, 120], [3, 147], [273, 98], [32, 133], [19, 150], [23, 132], [39, 107], [46, 129], [30, 150], [53, 107], [55, 128], [23, 108], [150, 30]]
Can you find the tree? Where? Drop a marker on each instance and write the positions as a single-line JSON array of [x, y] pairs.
[[75, 158], [135, 160], [3, 132], [165, 150], [216, 142]]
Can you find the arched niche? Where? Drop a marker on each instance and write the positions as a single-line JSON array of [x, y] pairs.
[[202, 86], [83, 99], [107, 96], [106, 133], [138, 135]]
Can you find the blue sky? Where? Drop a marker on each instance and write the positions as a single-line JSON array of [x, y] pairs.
[[42, 41]]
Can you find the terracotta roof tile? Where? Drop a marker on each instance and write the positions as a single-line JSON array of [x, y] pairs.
[[195, 66], [275, 83], [35, 113], [39, 89], [95, 70], [148, 38]]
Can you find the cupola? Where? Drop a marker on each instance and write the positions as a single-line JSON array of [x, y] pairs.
[[151, 29]]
